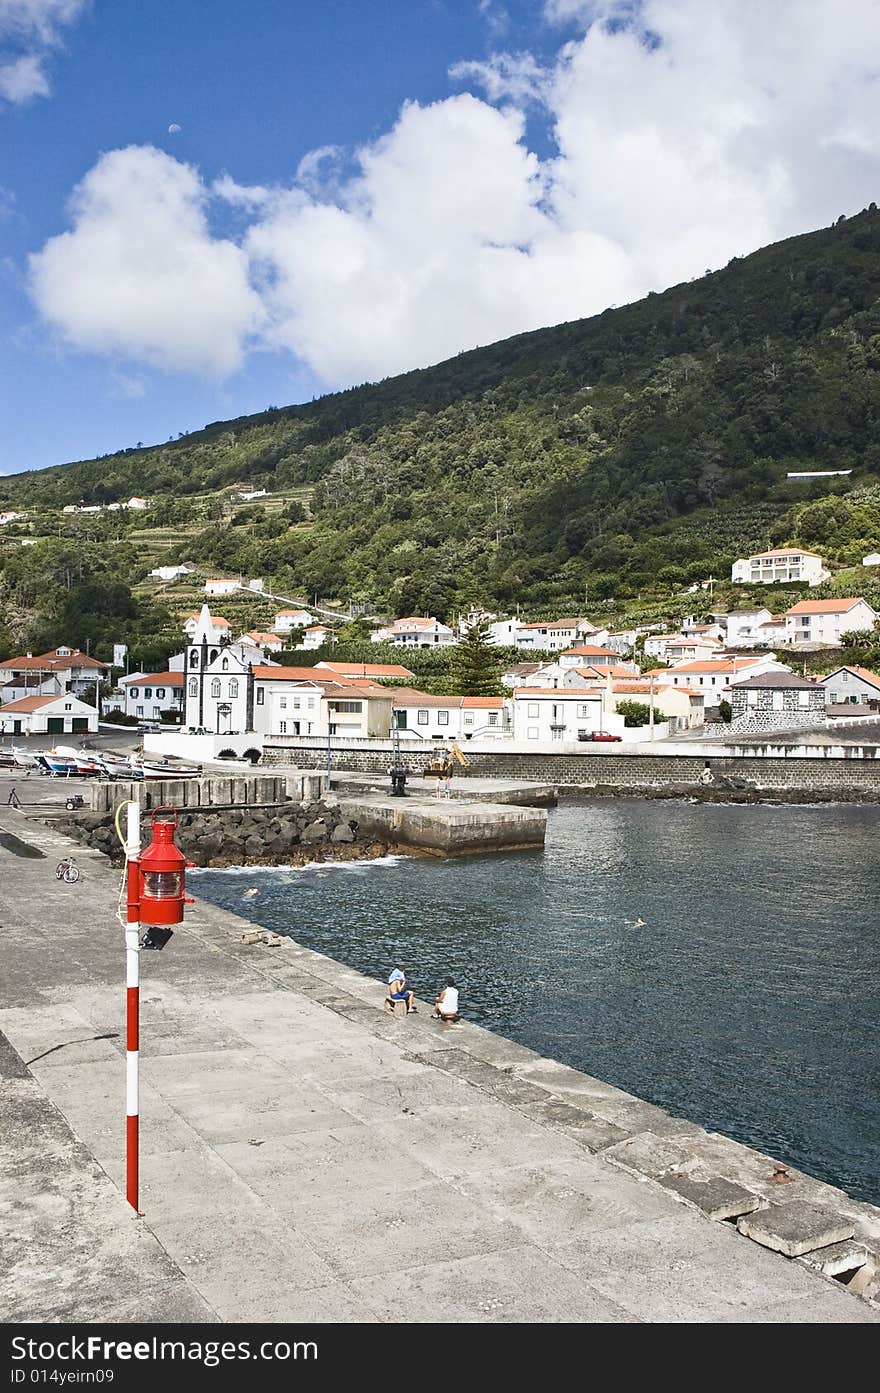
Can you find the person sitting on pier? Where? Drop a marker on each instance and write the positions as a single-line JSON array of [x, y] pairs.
[[446, 1005], [398, 991]]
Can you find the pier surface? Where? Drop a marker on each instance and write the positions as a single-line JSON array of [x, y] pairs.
[[306, 1157]]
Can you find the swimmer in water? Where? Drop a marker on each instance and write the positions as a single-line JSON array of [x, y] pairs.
[[249, 894], [640, 923]]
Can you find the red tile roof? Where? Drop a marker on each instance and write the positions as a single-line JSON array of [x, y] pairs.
[[825, 606], [366, 669], [154, 679], [589, 650], [31, 703]]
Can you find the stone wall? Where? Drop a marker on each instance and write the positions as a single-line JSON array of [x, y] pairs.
[[631, 771], [765, 716]]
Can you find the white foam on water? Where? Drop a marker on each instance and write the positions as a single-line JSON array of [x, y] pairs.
[[255, 872]]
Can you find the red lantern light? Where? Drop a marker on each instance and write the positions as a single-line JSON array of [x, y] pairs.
[[162, 873]]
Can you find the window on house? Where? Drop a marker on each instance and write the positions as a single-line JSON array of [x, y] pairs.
[[282, 703], [282, 727], [468, 718], [133, 692], [233, 686], [532, 709], [583, 711], [422, 718], [443, 718], [68, 706], [140, 711], [193, 687], [350, 706], [493, 718], [194, 658], [160, 693], [225, 665], [311, 703], [844, 677], [751, 698], [215, 687], [532, 733], [804, 699], [261, 695], [778, 701]]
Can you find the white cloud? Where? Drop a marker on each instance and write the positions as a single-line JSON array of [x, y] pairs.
[[22, 79], [29, 29], [681, 134], [515, 77], [141, 275]]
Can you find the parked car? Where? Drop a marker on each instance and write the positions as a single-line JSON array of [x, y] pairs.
[[597, 735]]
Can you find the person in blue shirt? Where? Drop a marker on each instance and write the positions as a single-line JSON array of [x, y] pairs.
[[398, 991]]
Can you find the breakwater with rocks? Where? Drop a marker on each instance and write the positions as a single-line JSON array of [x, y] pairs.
[[288, 833]]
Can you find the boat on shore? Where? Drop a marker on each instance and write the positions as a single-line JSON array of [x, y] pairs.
[[166, 769]]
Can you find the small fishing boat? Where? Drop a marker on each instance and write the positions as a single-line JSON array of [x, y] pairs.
[[57, 764], [166, 769]]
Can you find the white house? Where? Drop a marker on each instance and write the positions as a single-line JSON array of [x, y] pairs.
[[317, 636], [519, 673], [742, 626], [550, 714], [287, 619], [825, 621], [251, 494], [11, 517], [269, 643], [416, 631], [48, 715], [221, 627], [138, 504], [148, 694], [222, 587], [714, 678], [872, 559], [686, 648], [780, 566], [593, 655], [170, 572], [851, 686], [62, 669], [422, 716], [553, 635]]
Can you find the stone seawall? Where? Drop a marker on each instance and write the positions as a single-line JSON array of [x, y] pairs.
[[828, 776], [285, 834]]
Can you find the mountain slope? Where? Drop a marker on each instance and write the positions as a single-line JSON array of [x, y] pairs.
[[645, 445]]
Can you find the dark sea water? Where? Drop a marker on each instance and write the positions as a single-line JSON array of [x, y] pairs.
[[749, 1002]]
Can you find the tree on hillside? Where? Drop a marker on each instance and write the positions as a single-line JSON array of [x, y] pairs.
[[474, 664]]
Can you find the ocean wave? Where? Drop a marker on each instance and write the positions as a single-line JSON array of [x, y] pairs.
[[254, 872]]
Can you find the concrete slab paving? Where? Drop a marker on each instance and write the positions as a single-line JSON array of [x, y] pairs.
[[307, 1158]]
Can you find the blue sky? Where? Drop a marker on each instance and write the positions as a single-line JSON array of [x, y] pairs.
[[482, 168]]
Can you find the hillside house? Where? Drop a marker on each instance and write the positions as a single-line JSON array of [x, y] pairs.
[[776, 701], [552, 635], [221, 628], [317, 636], [416, 631], [287, 619], [781, 566], [825, 621], [169, 573], [682, 707], [851, 686], [592, 655], [222, 587], [872, 559], [269, 643]]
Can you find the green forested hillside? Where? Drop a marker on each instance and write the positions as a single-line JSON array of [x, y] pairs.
[[638, 450]]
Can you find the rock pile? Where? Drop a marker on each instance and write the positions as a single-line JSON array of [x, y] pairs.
[[251, 835]]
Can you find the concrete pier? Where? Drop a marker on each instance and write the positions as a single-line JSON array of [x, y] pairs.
[[307, 1157], [446, 826]]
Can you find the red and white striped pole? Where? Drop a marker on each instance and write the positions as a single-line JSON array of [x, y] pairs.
[[132, 1002]]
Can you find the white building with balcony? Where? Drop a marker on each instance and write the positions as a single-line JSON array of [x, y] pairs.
[[543, 715], [782, 566], [417, 631]]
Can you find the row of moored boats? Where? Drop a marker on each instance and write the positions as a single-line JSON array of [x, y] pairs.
[[65, 762]]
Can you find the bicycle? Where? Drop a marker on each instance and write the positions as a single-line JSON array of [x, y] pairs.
[[67, 871]]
